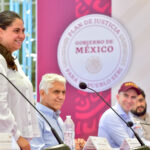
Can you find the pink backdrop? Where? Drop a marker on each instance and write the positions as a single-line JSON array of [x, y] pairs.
[[53, 17]]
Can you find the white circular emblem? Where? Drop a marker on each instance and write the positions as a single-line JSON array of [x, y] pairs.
[[95, 49]]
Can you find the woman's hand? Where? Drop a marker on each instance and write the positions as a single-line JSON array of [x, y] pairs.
[[23, 143]]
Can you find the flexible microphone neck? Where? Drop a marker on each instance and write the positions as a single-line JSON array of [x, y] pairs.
[[52, 129], [83, 85]]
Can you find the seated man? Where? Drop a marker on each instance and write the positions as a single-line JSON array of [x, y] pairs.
[[140, 114], [52, 95], [111, 126]]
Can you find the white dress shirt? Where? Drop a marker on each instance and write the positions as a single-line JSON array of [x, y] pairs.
[[16, 114]]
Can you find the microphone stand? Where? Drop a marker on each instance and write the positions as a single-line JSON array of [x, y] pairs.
[[61, 145], [143, 147]]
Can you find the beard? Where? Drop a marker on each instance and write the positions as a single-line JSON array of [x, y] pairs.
[[139, 114]]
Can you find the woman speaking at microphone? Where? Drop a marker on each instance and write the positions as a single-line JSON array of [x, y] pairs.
[[16, 115]]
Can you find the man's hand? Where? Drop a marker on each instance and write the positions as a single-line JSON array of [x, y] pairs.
[[23, 143], [79, 143]]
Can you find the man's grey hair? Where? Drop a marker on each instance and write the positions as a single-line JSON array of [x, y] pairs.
[[48, 80]]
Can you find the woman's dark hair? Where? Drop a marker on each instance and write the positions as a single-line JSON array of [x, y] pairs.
[[8, 57], [6, 19]]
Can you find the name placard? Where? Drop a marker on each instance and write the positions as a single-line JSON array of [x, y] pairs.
[[129, 143], [97, 143]]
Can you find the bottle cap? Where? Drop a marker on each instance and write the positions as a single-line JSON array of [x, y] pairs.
[[68, 116]]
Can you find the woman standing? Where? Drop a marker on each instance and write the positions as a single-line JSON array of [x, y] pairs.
[[16, 115]]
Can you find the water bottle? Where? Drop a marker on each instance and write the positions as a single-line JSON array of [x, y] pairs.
[[69, 132], [138, 129]]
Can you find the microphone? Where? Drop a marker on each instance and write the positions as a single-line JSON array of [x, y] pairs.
[[83, 86], [130, 123], [62, 146]]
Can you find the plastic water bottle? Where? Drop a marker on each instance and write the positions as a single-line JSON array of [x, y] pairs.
[[138, 129], [69, 133]]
